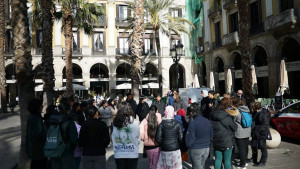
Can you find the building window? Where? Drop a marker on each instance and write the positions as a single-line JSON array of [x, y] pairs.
[[174, 42], [98, 42], [124, 45], [175, 13], [255, 18], [147, 17], [286, 5], [39, 38], [218, 39], [75, 41], [9, 41], [233, 19], [123, 12]]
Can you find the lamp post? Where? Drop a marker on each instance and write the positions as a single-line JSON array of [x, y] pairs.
[[143, 69], [176, 54]]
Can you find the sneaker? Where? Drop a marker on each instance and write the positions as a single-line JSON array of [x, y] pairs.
[[241, 167], [246, 164], [259, 165]]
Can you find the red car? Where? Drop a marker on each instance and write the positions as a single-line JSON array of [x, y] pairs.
[[287, 121]]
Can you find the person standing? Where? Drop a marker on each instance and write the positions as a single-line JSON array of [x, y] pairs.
[[131, 102], [111, 105], [148, 129], [242, 134], [260, 131], [198, 137], [126, 139], [205, 110], [169, 136], [179, 103], [223, 129], [94, 138], [105, 113], [160, 105], [240, 95], [171, 99], [78, 150], [36, 135], [142, 109]]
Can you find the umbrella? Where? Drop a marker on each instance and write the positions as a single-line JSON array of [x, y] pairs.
[[151, 85], [284, 82], [75, 87], [196, 82], [124, 86], [39, 88], [229, 81], [254, 80], [212, 81]]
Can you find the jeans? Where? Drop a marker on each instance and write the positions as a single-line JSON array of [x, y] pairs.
[[126, 163], [38, 164], [94, 162], [242, 144], [198, 157], [264, 153], [226, 154], [66, 161]]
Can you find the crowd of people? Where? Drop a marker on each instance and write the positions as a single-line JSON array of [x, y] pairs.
[[72, 133]]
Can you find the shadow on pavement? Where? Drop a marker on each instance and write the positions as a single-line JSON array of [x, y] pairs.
[[8, 115], [290, 140], [142, 163]]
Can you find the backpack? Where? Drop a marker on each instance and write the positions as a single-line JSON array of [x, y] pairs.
[[246, 119], [55, 145]]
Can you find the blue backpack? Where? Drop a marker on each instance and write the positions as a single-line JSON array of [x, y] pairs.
[[246, 119], [55, 145]]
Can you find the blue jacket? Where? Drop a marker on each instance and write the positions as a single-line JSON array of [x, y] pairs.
[[170, 101], [199, 133], [182, 122]]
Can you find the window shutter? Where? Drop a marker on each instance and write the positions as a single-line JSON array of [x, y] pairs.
[[128, 12], [104, 43], [118, 10], [180, 13]]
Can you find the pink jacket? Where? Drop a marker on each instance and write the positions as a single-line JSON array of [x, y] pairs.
[[143, 131]]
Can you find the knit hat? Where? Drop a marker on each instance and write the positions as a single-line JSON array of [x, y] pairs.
[[169, 112], [181, 112]]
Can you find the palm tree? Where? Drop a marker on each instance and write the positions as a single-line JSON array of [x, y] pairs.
[[137, 46], [24, 75], [244, 45], [85, 16], [2, 59], [161, 20]]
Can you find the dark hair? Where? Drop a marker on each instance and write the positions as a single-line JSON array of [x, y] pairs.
[[152, 123], [211, 92], [83, 104], [103, 102], [75, 105], [34, 106], [224, 104], [255, 107], [110, 102], [194, 109], [237, 102], [122, 104], [64, 106], [123, 116], [91, 111], [153, 107]]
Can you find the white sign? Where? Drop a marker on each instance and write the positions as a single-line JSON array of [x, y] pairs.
[[221, 76], [293, 66], [238, 74], [262, 71]]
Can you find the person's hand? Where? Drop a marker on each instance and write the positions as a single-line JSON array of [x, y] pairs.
[[210, 104]]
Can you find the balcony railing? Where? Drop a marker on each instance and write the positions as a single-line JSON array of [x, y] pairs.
[[123, 51], [98, 52], [212, 12], [121, 22], [256, 29], [230, 4], [230, 38], [75, 52], [150, 52], [285, 18], [38, 51], [8, 52], [216, 44]]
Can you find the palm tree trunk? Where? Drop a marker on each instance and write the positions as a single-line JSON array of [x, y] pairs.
[[69, 48], [157, 42], [23, 58], [244, 45], [2, 59], [47, 52], [137, 47]]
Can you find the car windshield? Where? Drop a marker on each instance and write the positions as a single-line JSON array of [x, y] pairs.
[[293, 109]]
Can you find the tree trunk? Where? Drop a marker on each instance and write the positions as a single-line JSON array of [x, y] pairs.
[[159, 54], [244, 45], [47, 53], [22, 56], [2, 59], [68, 51], [137, 47]]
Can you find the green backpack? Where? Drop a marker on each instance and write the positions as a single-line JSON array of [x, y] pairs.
[[55, 145]]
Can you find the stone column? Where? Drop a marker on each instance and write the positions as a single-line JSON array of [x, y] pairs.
[[58, 80], [57, 50], [274, 75], [112, 84], [86, 79], [111, 28]]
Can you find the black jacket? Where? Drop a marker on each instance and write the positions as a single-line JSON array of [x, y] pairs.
[[206, 110], [132, 104], [223, 128], [179, 105], [160, 107], [142, 110], [261, 125], [94, 137], [169, 135]]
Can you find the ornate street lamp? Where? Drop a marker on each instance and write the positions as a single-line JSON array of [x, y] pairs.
[[99, 75], [176, 54]]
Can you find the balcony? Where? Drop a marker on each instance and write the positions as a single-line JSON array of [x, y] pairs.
[[123, 51], [217, 44], [287, 18], [230, 4], [8, 53], [213, 13], [76, 53], [256, 29], [98, 52], [121, 22], [232, 38], [150, 52]]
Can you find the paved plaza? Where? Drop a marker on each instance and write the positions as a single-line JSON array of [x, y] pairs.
[[286, 156]]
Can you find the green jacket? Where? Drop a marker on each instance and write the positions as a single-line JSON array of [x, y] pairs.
[[36, 137]]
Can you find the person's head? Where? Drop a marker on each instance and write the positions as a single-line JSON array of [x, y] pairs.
[[181, 112], [204, 93], [194, 109], [174, 92], [50, 110], [216, 96], [64, 106], [129, 96], [226, 95], [93, 112], [224, 104], [211, 94], [256, 107], [111, 102], [122, 104], [158, 97], [153, 107], [152, 124], [35, 106], [83, 106], [76, 106], [239, 93], [104, 103], [124, 116], [169, 112], [176, 96], [143, 99], [237, 102]]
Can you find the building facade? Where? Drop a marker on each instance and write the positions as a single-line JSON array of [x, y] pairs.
[[274, 35], [97, 59]]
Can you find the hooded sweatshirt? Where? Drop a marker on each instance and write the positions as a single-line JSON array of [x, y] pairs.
[[242, 132], [205, 105]]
